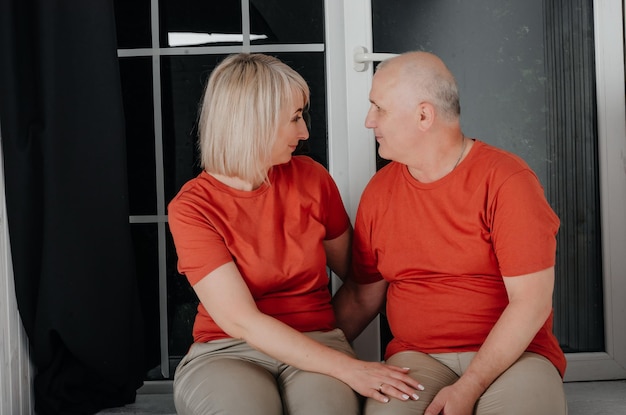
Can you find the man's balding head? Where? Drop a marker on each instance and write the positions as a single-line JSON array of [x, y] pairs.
[[427, 78]]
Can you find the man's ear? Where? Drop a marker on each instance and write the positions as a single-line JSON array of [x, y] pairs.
[[425, 115]]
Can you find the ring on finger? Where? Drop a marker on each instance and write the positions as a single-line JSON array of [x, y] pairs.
[[380, 388]]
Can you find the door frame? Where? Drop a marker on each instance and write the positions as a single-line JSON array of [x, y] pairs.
[[352, 160]]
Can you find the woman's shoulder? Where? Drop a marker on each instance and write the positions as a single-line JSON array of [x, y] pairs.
[[307, 162], [302, 168], [191, 191]]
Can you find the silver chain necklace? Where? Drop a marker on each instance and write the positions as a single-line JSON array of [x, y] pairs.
[[462, 151]]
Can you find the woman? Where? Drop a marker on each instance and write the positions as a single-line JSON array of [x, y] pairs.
[[254, 233]]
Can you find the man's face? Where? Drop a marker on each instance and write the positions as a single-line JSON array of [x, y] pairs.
[[392, 115]]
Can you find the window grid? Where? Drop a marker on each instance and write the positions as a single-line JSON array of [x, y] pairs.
[[160, 219]]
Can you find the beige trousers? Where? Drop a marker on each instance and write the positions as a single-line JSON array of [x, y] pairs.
[[228, 377], [532, 385]]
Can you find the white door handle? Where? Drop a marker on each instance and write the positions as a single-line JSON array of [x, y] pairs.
[[362, 58]]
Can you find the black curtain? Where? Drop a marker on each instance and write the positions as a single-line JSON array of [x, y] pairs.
[[62, 130]]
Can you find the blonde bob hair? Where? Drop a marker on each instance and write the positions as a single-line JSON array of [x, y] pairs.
[[242, 104]]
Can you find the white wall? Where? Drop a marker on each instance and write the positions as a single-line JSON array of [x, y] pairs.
[[15, 368]]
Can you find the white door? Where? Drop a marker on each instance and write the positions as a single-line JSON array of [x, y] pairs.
[[467, 46]]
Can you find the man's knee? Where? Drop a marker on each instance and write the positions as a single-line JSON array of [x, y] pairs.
[[531, 385]]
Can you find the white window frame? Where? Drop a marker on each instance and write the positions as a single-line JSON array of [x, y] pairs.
[[352, 159]]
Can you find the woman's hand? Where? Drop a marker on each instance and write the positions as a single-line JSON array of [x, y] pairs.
[[380, 381]]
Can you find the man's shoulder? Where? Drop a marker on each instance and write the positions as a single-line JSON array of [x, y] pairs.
[[386, 173], [383, 182], [491, 157]]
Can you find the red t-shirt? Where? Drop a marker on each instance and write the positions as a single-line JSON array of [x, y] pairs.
[[444, 247], [273, 234]]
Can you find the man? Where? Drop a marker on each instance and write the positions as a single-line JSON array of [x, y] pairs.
[[456, 239]]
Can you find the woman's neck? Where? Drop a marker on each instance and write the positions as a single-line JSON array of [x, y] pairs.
[[235, 182]]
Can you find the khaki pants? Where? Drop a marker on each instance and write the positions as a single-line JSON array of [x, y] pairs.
[[531, 386], [229, 377]]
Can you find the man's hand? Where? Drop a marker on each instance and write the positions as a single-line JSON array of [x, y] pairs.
[[457, 399]]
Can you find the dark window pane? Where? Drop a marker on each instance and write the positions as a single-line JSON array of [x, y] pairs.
[[183, 79], [287, 21], [146, 257], [200, 17], [182, 305], [136, 75], [132, 19]]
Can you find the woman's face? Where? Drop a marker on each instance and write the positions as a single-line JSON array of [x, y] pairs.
[[291, 129]]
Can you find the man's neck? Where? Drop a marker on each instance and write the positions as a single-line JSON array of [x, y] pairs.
[[442, 160]]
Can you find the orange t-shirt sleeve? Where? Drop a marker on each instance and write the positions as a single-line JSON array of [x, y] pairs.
[[523, 226], [364, 261], [200, 248], [337, 220]]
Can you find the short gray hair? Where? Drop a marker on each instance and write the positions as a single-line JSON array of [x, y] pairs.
[[435, 85]]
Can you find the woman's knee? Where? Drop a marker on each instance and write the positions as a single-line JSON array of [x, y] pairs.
[[226, 385], [309, 393]]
